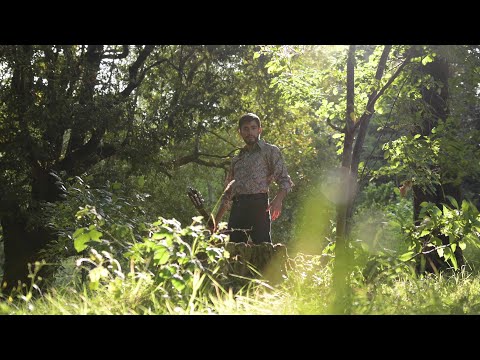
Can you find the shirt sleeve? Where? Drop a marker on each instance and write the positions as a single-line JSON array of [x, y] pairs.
[[280, 174]]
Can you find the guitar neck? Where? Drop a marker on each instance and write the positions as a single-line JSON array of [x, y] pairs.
[[204, 213], [197, 201]]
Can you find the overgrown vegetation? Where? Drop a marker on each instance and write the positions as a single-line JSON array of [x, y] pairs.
[[98, 145]]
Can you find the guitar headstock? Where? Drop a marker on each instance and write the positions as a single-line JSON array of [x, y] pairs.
[[196, 198]]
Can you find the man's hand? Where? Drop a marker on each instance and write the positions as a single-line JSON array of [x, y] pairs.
[[212, 223], [275, 208]]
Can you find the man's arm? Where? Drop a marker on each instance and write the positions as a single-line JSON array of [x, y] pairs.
[[283, 180], [218, 217], [275, 206], [225, 202]]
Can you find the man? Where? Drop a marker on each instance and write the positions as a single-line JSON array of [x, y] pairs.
[[247, 186]]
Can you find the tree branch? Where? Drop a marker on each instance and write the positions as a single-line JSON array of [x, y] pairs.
[[195, 158], [221, 165], [133, 78], [221, 138], [218, 156], [84, 153], [374, 96], [335, 127], [368, 113]]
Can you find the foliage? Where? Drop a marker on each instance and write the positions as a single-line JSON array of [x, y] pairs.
[[380, 217], [306, 290], [177, 128], [177, 257], [174, 263], [459, 223], [80, 105], [104, 215], [2, 254], [432, 160]]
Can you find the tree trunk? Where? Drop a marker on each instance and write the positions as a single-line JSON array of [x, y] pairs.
[[21, 246], [340, 270], [352, 149], [23, 235]]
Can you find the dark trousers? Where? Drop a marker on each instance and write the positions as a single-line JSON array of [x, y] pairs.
[[249, 219]]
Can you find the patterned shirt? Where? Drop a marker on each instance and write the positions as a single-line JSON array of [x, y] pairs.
[[254, 170]]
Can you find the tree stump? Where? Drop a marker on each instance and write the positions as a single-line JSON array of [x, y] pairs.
[[266, 261]]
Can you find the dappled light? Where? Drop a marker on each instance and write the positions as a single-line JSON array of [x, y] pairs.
[[315, 227], [108, 154]]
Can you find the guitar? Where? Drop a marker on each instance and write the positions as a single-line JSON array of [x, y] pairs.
[[198, 201]]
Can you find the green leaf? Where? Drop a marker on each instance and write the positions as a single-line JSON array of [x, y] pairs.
[[179, 285], [445, 210], [424, 232], [436, 211], [416, 136], [453, 201], [449, 255], [427, 59], [78, 232], [95, 235], [407, 256], [96, 275], [157, 236], [141, 181], [162, 255], [462, 245], [454, 247], [440, 252], [80, 243], [454, 262]]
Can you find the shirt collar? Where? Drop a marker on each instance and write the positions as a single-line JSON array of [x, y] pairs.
[[260, 144]]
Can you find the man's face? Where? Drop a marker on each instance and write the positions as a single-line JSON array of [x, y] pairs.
[[250, 132]]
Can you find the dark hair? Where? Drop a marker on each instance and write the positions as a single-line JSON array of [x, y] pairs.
[[247, 118]]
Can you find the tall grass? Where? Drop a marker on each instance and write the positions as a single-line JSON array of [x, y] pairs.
[[305, 290], [170, 270]]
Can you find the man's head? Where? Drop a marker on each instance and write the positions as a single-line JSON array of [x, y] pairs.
[[250, 128]]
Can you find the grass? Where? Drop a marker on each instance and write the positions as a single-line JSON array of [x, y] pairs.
[[305, 290]]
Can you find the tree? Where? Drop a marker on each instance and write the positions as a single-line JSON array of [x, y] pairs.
[[437, 144], [355, 130], [436, 110], [326, 94], [65, 109]]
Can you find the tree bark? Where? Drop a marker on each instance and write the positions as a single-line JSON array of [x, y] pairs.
[[340, 271], [23, 237]]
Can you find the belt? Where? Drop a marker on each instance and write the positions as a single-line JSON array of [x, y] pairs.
[[250, 196]]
